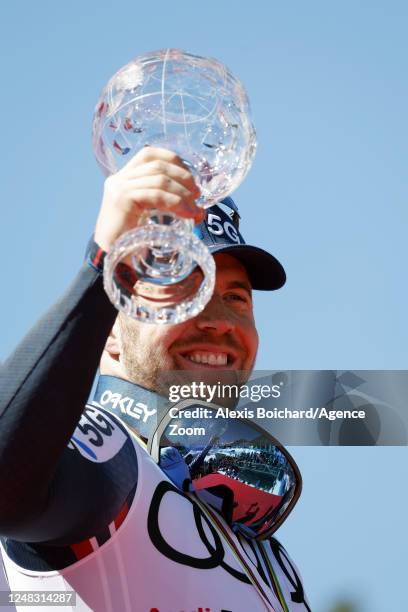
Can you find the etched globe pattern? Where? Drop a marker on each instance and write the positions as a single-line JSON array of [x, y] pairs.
[[191, 105]]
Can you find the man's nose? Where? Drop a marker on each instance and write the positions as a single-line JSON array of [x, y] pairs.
[[215, 317]]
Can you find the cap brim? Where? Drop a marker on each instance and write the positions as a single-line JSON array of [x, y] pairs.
[[265, 272]]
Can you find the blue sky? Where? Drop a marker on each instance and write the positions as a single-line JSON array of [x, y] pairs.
[[327, 194]]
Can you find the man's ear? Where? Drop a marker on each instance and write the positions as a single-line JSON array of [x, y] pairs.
[[110, 360], [113, 343]]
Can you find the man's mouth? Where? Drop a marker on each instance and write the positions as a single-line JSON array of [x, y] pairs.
[[214, 359], [207, 358]]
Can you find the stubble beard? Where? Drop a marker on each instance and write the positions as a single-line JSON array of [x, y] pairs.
[[151, 367], [144, 365]]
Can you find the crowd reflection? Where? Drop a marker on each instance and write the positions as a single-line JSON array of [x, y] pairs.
[[265, 469]]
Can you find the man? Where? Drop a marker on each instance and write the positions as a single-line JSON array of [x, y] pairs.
[[79, 508]]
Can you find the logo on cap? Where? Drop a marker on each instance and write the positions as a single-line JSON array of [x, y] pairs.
[[218, 226]]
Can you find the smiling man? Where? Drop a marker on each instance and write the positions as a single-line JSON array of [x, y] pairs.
[[220, 343], [80, 508]]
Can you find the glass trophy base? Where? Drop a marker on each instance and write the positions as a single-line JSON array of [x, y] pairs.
[[160, 274]]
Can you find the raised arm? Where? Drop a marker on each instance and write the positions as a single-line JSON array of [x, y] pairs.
[[46, 381]]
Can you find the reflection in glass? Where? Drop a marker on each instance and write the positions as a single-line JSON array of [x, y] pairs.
[[237, 469]]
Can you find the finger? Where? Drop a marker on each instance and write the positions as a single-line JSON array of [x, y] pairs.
[[163, 168], [148, 154], [162, 182], [163, 200]]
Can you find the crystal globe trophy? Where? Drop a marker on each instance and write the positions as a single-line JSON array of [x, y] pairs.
[[160, 271]]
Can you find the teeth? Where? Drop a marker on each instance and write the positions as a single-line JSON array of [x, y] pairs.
[[219, 359]]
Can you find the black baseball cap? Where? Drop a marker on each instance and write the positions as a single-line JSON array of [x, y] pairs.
[[220, 232]]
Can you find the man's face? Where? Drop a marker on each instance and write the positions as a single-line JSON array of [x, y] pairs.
[[219, 342]]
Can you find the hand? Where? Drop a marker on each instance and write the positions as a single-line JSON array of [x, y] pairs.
[[153, 179]]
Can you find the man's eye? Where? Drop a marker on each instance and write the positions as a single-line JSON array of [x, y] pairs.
[[236, 297]]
